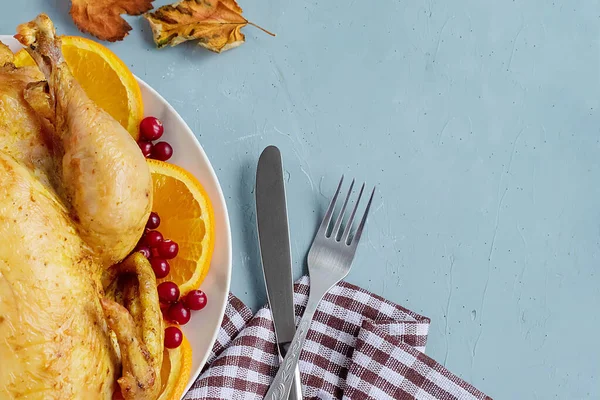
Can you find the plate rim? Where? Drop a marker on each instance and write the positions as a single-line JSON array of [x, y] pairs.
[[228, 239], [9, 40]]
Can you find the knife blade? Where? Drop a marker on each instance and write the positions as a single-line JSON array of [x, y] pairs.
[[274, 243]]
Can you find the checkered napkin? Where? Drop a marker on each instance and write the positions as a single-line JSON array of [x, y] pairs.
[[359, 346]]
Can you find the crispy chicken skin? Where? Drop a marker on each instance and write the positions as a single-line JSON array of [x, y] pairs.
[[23, 134], [75, 195], [103, 175], [54, 340]]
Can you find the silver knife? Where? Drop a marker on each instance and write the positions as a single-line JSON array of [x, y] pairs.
[[274, 241]]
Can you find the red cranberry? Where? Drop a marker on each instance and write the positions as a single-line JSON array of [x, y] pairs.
[[168, 292], [162, 151], [153, 221], [146, 148], [151, 128], [153, 238], [167, 249], [195, 300], [173, 337], [145, 250], [179, 313], [164, 308], [142, 241], [160, 267]]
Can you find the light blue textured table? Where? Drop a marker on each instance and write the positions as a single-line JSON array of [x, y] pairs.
[[480, 123]]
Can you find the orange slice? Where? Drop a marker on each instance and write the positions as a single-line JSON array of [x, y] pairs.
[[175, 371], [104, 77], [186, 217]]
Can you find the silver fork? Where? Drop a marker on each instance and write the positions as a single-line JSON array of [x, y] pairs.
[[329, 261]]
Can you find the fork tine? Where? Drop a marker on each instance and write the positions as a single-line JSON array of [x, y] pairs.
[[328, 214], [338, 222], [359, 230], [348, 227]]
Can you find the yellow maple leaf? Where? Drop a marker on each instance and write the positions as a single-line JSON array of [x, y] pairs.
[[216, 24]]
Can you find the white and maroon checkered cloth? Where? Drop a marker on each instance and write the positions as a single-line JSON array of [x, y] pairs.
[[359, 346]]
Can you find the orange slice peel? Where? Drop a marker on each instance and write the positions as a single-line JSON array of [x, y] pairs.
[[175, 371], [187, 218]]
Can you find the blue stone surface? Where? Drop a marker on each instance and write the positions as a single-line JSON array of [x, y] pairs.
[[479, 123]]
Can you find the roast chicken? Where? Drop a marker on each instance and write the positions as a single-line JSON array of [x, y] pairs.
[[79, 318]]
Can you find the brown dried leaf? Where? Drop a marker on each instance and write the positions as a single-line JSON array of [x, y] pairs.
[[102, 18], [216, 24]]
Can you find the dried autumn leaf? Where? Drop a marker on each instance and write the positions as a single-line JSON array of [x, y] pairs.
[[216, 24], [102, 18]]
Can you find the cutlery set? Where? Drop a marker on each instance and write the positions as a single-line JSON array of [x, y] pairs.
[[274, 243], [329, 261]]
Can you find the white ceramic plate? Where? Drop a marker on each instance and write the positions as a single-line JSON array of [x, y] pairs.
[[202, 329]]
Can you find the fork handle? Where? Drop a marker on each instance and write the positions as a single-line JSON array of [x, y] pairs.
[[281, 385], [296, 391]]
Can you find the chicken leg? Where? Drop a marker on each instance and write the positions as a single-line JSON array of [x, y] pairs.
[[104, 177]]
